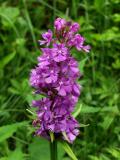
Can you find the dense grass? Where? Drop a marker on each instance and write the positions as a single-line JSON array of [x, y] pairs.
[[21, 23]]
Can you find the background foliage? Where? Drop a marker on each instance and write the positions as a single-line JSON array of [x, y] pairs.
[[21, 23]]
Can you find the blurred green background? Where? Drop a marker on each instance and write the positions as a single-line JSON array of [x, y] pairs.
[[21, 23]]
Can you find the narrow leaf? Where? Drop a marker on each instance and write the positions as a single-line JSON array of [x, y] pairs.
[[31, 112], [107, 121], [7, 59], [77, 112], [65, 136], [68, 150], [114, 152], [83, 125], [82, 64]]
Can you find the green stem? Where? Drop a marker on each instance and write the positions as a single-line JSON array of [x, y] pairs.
[[53, 150]]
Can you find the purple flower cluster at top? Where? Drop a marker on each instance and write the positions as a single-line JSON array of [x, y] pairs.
[[56, 77]]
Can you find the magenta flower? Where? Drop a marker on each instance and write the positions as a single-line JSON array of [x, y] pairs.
[[86, 48], [51, 76], [74, 27], [59, 24], [56, 77], [59, 52], [78, 41], [47, 38]]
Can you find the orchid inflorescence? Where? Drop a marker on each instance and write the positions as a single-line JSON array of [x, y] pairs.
[[56, 77]]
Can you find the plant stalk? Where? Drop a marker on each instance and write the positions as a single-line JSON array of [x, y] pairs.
[[53, 150]]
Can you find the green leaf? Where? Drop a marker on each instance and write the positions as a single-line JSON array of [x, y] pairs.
[[116, 17], [16, 155], [107, 121], [113, 109], [93, 158], [31, 112], [8, 130], [90, 109], [104, 157], [3, 158], [82, 64], [61, 151], [7, 59], [83, 125], [39, 150], [114, 152], [65, 136], [68, 150], [99, 4], [87, 109], [108, 35], [77, 111], [9, 12], [116, 64], [74, 8]]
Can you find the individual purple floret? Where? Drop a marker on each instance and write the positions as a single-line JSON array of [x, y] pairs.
[[59, 24], [74, 27], [59, 52], [56, 77], [47, 38]]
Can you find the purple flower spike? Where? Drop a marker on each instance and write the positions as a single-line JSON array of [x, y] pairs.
[[56, 77]]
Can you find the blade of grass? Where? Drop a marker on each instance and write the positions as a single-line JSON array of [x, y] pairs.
[[49, 6], [30, 24], [54, 11]]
